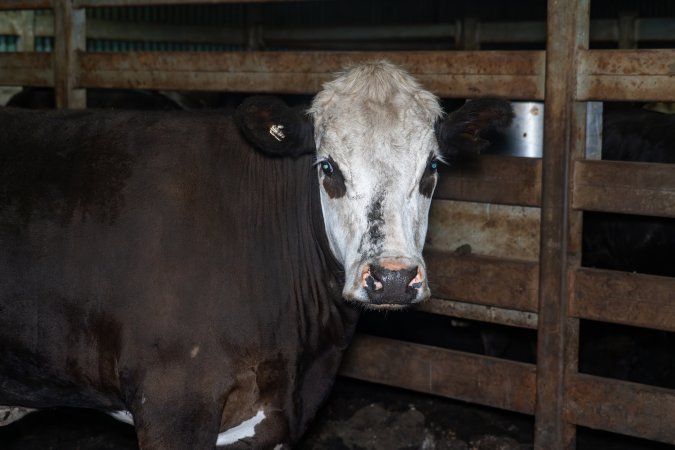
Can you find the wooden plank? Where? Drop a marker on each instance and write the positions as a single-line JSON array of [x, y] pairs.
[[473, 378], [502, 231], [622, 75], [483, 280], [457, 74], [625, 187], [482, 313], [493, 179], [625, 298], [622, 407], [25, 4], [26, 69]]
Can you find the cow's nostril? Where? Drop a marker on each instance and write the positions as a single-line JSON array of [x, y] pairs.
[[372, 283], [417, 281]]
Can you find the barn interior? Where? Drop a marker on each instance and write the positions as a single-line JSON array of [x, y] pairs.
[[551, 256]]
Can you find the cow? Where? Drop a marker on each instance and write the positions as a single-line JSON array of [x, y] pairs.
[[200, 275], [44, 98]]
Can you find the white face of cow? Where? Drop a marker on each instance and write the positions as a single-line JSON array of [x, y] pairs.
[[378, 137], [377, 155]]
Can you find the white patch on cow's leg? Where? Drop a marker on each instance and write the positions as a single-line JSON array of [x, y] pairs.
[[241, 431], [123, 416], [9, 414]]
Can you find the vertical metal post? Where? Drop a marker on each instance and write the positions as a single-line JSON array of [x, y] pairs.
[[564, 124], [69, 39]]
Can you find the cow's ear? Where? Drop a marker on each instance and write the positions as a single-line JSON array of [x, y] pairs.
[[274, 127], [460, 132]]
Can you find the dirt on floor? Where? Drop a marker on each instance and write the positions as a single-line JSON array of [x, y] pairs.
[[357, 416]]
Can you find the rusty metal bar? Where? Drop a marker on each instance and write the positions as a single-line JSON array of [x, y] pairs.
[[26, 4], [26, 69], [454, 74], [568, 29], [69, 39], [482, 313], [493, 179], [473, 378], [625, 187], [625, 298], [622, 407], [622, 75], [513, 284]]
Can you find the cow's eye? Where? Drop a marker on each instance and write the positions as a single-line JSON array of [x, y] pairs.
[[433, 165], [326, 167]]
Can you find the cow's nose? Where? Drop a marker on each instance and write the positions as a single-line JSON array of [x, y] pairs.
[[392, 283]]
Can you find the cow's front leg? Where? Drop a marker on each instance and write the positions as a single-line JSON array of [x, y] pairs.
[[176, 421], [269, 433]]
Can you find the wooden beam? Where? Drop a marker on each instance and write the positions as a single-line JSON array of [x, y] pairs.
[[482, 313], [564, 137], [115, 3], [454, 74], [622, 407], [69, 40], [625, 187], [625, 298], [26, 69], [493, 179], [483, 280], [622, 75], [25, 4], [448, 373]]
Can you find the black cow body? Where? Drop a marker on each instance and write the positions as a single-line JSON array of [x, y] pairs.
[[168, 270]]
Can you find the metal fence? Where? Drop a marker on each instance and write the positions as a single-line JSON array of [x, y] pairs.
[[550, 295]]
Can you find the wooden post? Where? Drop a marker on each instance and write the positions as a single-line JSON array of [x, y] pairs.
[[69, 40], [564, 123], [26, 30]]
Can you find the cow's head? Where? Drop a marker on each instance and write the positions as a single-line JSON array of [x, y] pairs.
[[379, 139]]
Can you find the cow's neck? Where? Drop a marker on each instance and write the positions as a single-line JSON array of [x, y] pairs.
[[325, 275]]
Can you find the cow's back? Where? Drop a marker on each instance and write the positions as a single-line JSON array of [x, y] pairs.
[[104, 232]]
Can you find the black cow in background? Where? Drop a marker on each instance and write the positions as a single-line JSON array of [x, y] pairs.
[[43, 98], [629, 242]]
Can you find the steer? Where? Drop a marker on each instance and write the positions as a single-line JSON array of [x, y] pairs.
[[200, 275]]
